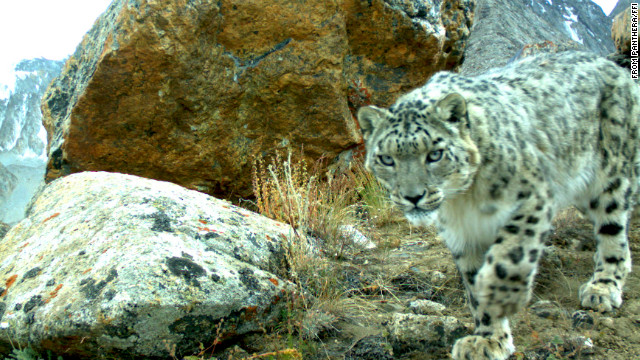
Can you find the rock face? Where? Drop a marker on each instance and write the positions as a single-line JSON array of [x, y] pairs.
[[111, 263], [621, 32], [531, 22], [192, 91]]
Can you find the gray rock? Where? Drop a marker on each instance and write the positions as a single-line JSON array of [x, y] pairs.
[[112, 263], [410, 332], [427, 307]]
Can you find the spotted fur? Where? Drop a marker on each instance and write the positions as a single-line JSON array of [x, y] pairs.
[[491, 159]]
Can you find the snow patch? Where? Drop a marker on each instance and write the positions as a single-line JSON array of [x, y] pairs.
[[573, 17], [570, 19], [574, 35], [542, 8]]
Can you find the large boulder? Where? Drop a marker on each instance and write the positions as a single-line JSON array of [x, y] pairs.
[[193, 91], [110, 263]]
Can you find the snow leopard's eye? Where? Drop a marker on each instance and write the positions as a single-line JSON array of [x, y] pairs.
[[435, 156], [386, 160]]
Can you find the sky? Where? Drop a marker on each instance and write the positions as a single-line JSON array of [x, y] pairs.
[[53, 28], [606, 5], [43, 28]]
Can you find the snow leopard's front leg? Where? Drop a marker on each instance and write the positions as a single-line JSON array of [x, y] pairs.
[[610, 212], [499, 281]]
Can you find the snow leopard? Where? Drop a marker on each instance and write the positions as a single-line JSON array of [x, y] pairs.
[[491, 159]]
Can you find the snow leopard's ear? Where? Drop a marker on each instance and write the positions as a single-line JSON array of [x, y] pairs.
[[369, 117], [453, 108]]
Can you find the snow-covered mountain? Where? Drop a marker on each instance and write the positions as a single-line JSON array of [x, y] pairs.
[[502, 29], [580, 20], [22, 136]]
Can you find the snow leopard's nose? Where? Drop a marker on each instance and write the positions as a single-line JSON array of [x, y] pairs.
[[415, 199]]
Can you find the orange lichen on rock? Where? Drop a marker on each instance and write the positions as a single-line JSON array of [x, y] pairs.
[[10, 281], [250, 312], [50, 217], [54, 293]]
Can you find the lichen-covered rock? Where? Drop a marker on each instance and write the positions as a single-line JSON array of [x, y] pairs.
[[411, 332], [621, 32], [108, 263], [193, 91]]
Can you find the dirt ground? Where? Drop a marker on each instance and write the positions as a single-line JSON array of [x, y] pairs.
[[413, 263]]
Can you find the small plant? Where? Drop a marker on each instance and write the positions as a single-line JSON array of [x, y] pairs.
[[288, 190]]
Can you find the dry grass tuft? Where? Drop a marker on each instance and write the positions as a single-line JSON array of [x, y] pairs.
[[319, 208]]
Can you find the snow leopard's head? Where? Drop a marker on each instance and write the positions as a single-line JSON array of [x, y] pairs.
[[420, 150]]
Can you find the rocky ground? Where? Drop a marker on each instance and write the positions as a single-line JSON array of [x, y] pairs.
[[412, 269]]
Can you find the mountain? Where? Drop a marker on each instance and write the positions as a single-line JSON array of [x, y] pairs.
[[22, 136], [503, 28]]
